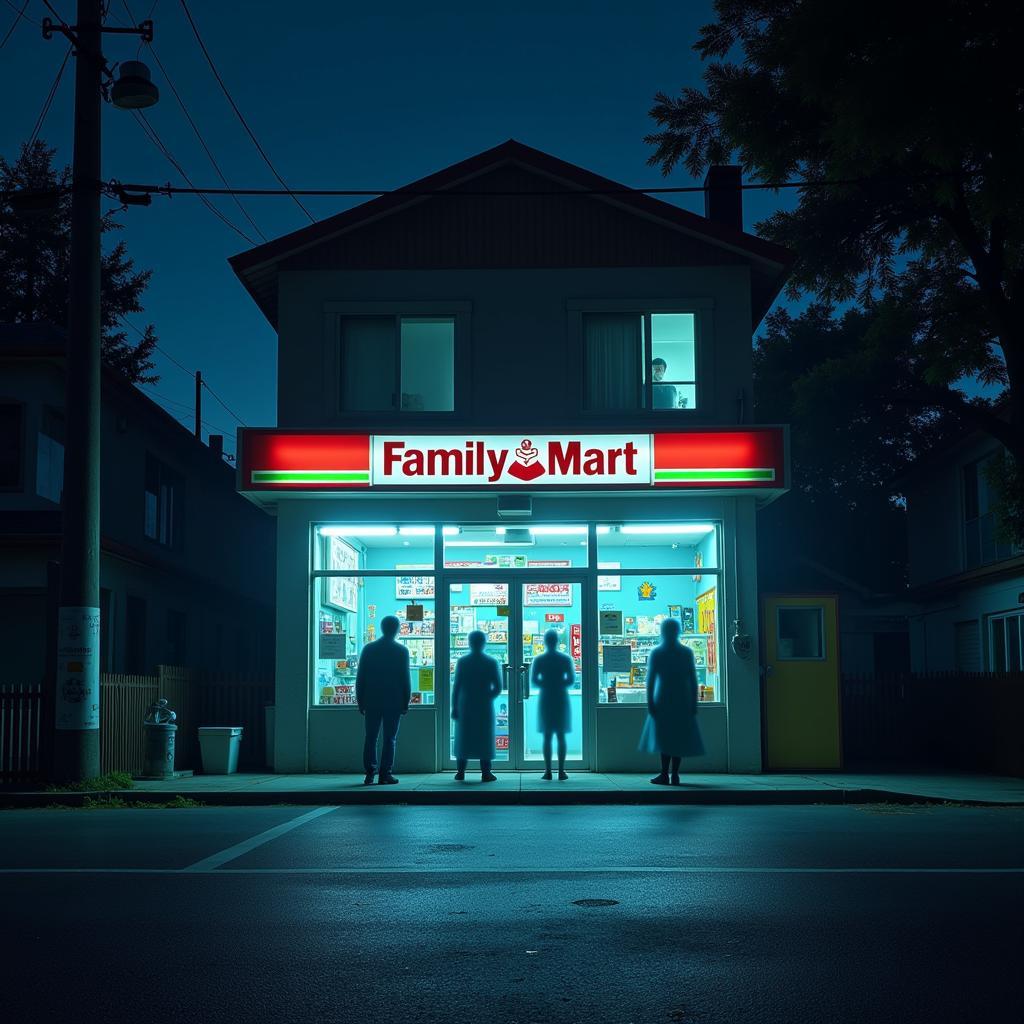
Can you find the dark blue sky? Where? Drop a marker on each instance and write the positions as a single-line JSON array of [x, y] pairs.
[[344, 95]]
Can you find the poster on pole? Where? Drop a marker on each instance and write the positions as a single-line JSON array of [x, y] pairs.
[[78, 669]]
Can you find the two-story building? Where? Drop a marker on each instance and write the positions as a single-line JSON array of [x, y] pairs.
[[966, 581], [186, 568], [513, 396]]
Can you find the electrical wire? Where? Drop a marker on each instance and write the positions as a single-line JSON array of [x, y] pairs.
[[238, 113], [154, 137], [21, 14], [49, 98], [222, 402], [195, 128], [163, 352], [14, 24]]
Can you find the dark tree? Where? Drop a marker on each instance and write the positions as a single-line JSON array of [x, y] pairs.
[[34, 253], [915, 114]]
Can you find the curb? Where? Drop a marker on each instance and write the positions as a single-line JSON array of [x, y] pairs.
[[491, 797]]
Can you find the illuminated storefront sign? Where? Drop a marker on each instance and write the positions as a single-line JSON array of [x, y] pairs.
[[281, 460]]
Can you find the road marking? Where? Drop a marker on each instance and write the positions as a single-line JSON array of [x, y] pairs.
[[210, 866], [216, 860]]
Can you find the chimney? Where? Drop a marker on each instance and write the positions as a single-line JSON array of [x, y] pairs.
[[723, 198], [217, 445]]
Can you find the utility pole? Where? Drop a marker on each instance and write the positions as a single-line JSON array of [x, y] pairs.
[[199, 404], [76, 744], [77, 740]]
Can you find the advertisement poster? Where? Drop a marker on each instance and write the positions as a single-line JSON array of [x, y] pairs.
[[343, 592], [411, 587], [549, 563], [609, 582], [576, 639], [488, 594], [611, 623], [78, 668], [547, 594], [706, 624], [618, 658], [332, 646], [426, 680]]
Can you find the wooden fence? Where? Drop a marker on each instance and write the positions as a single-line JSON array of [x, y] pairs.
[[943, 720], [196, 698]]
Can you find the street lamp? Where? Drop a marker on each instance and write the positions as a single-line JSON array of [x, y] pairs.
[[76, 750]]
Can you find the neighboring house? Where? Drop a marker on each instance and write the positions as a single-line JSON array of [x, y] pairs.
[[967, 582], [512, 398], [187, 567]]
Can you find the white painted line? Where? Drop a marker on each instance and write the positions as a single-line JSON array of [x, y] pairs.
[[211, 866], [215, 861]]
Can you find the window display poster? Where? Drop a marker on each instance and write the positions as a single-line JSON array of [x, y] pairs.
[[686, 618], [409, 587], [611, 623], [426, 680], [488, 595], [609, 582], [342, 591], [549, 563], [332, 646], [576, 638], [618, 658], [547, 594], [706, 624]]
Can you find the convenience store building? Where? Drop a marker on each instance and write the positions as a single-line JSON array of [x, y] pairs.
[[514, 396]]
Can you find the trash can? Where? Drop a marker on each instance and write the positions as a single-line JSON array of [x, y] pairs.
[[269, 717], [218, 745], [158, 731]]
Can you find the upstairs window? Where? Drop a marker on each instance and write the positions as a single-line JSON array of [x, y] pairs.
[[980, 543], [11, 444], [640, 361], [398, 363], [163, 504]]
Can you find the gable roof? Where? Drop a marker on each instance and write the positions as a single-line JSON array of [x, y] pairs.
[[682, 234]]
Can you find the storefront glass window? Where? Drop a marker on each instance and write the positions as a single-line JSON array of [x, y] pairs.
[[515, 547], [673, 361], [371, 571], [631, 610], [667, 545]]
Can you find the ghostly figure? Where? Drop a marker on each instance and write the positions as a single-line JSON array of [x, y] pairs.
[[477, 684], [553, 675]]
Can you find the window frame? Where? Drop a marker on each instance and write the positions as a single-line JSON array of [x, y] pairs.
[[702, 311], [1001, 550], [1004, 618], [176, 485], [335, 312]]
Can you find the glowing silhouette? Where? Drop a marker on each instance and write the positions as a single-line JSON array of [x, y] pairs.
[[477, 684], [383, 692], [554, 675]]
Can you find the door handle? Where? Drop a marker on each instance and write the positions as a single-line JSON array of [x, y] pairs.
[[504, 677], [524, 681]]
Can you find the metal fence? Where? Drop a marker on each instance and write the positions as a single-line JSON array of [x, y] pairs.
[[197, 698], [942, 720]]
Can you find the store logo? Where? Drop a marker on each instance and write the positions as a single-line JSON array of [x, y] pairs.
[[414, 460]]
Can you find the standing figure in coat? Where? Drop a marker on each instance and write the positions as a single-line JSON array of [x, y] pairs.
[[554, 674], [671, 727], [477, 683], [383, 690]]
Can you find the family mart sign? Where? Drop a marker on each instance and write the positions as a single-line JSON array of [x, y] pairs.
[[282, 460]]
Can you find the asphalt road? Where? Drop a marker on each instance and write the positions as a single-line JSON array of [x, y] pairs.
[[424, 914]]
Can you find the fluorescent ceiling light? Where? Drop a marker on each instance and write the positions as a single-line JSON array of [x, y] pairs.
[[416, 531], [604, 529], [489, 544], [358, 531], [449, 531], [668, 529], [558, 531]]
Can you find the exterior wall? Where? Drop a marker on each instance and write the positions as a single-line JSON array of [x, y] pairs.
[[330, 738], [524, 352], [220, 577]]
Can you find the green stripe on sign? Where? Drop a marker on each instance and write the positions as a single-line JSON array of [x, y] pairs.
[[714, 474], [309, 476]]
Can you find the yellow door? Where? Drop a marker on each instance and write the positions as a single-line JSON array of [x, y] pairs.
[[801, 682]]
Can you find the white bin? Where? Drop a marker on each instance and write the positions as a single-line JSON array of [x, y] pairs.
[[218, 745]]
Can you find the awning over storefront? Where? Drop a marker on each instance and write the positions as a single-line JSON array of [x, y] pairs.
[[277, 463]]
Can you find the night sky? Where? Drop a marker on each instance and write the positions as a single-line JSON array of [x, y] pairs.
[[343, 95]]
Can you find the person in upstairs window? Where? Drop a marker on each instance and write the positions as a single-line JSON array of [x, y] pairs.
[[477, 684], [671, 727], [383, 692], [665, 396], [554, 675]]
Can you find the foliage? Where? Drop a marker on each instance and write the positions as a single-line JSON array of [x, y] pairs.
[[908, 127], [34, 263], [100, 784]]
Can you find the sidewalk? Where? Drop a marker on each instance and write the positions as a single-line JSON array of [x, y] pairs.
[[519, 788]]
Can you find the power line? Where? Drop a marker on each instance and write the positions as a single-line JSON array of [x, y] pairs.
[[142, 334], [195, 127], [49, 97], [222, 402], [21, 14], [14, 24], [234, 107], [153, 136]]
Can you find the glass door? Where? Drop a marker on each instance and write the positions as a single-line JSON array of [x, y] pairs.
[[515, 615]]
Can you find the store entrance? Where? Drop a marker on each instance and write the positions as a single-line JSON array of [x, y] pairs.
[[514, 613]]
